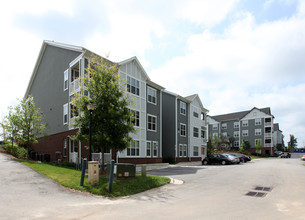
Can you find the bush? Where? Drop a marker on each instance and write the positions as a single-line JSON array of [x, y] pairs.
[[16, 151]]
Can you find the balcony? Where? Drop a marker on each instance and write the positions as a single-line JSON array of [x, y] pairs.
[[74, 86], [269, 135]]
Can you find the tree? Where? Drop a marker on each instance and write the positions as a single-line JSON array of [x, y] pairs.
[[23, 123], [292, 143], [245, 145], [210, 149], [111, 119], [31, 126], [215, 141], [258, 146]]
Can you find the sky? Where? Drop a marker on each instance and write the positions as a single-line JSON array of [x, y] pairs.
[[235, 54]]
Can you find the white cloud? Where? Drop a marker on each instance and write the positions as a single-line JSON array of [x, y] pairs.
[[208, 12]]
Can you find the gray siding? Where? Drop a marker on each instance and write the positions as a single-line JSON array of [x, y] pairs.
[[183, 119], [169, 125], [154, 110], [48, 87]]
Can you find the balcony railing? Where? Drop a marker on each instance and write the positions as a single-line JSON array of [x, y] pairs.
[[267, 144], [267, 123], [268, 134], [74, 86]]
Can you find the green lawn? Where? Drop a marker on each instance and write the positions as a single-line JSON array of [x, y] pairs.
[[71, 178]]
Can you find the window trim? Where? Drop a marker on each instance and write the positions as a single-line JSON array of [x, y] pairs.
[[258, 132], [224, 126], [155, 145], [244, 124], [258, 121], [148, 142], [196, 132], [66, 79], [244, 134], [131, 146], [134, 112], [154, 91], [66, 112], [182, 107], [236, 124], [130, 86], [194, 147], [156, 122], [181, 124]]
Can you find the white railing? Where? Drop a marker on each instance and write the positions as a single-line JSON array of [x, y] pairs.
[[267, 123], [267, 144], [268, 134], [74, 86]]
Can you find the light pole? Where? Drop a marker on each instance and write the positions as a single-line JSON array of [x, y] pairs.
[[91, 108]]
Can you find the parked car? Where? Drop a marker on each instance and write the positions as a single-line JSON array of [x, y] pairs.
[[218, 159], [279, 153], [303, 157], [242, 158], [285, 155], [235, 159]]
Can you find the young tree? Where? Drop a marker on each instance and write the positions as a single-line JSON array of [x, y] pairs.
[[215, 141], [11, 124], [258, 146], [111, 119], [292, 143], [31, 126]]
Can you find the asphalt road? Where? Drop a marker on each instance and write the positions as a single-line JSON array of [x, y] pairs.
[[207, 192]]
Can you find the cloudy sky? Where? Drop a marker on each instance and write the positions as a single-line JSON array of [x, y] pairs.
[[236, 54]]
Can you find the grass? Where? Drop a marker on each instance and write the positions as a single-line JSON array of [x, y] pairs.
[[71, 178]]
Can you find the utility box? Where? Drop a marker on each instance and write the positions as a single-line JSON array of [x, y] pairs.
[[93, 172], [123, 171]]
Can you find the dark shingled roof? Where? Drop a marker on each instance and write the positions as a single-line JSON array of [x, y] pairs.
[[238, 115]]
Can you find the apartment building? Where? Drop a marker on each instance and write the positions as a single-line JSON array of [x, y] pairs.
[[184, 128], [55, 80], [251, 125]]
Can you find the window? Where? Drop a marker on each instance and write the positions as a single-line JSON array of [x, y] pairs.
[[257, 140], [245, 123], [155, 149], [195, 132], [180, 150], [258, 132], [185, 150], [66, 79], [236, 124], [236, 134], [73, 146], [215, 126], [202, 116], [152, 123], [196, 112], [245, 133], [224, 126], [65, 147], [75, 74], [224, 134], [148, 149], [202, 133], [195, 151], [183, 130], [236, 143], [182, 108], [73, 111], [151, 95], [258, 121], [65, 114], [133, 149], [133, 85], [135, 120]]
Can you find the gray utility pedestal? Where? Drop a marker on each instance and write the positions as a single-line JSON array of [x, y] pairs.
[[93, 173]]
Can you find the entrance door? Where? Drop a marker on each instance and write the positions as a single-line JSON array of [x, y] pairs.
[[73, 157]]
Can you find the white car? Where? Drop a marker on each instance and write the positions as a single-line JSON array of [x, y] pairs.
[[234, 159], [303, 157]]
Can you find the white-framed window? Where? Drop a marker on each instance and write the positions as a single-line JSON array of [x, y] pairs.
[[236, 143], [258, 132], [155, 148], [184, 150], [195, 132], [224, 134], [65, 113], [134, 148], [258, 121], [133, 85], [236, 124], [182, 108], [245, 123], [224, 126], [73, 146], [245, 133], [195, 112], [66, 79], [180, 150], [215, 126], [195, 151], [151, 95], [151, 123], [202, 116], [135, 120], [203, 133], [236, 134], [148, 149], [65, 147], [183, 129]]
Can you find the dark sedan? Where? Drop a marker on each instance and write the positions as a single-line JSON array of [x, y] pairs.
[[217, 159], [285, 155]]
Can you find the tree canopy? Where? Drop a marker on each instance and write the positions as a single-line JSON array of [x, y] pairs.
[[111, 119]]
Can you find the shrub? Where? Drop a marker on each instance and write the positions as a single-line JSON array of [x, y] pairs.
[[16, 151]]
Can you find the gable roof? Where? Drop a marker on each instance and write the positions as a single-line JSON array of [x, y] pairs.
[[196, 96], [45, 43], [135, 59], [239, 115]]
